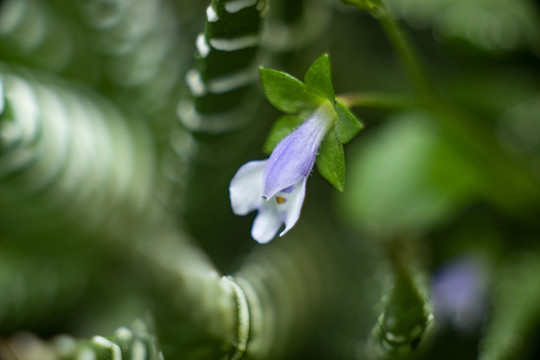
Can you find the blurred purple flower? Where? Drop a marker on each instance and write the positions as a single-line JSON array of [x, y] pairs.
[[276, 187], [460, 293]]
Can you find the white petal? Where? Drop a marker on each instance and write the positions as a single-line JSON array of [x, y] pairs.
[[266, 224], [245, 189], [290, 209]]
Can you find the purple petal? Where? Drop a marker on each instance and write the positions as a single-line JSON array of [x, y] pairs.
[[293, 158], [246, 187]]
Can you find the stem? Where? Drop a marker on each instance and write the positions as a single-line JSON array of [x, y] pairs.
[[407, 53], [503, 171], [377, 101], [398, 38]]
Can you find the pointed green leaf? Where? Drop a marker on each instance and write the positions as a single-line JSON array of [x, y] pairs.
[[281, 128], [347, 124], [286, 92], [319, 78], [406, 313], [406, 317], [331, 161]]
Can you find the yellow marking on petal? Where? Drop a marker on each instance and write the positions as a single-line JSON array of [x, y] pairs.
[[280, 200]]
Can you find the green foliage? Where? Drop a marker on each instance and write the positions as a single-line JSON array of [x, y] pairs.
[[287, 93], [490, 25], [403, 324], [373, 6], [41, 160], [318, 78], [347, 125], [520, 126], [515, 318], [35, 35], [136, 342], [116, 143], [331, 161], [417, 188], [225, 68]]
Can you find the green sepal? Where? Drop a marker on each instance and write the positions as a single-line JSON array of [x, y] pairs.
[[286, 92], [285, 125], [347, 124], [331, 161], [319, 78]]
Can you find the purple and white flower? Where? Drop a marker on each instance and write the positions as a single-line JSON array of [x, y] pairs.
[[276, 187]]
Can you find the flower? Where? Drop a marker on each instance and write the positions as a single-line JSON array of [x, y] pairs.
[[276, 187], [460, 292]]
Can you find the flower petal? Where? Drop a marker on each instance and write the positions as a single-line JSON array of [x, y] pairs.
[[245, 189], [289, 204], [266, 224], [293, 158]]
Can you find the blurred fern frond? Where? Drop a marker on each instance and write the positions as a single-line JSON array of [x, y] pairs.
[[122, 123]]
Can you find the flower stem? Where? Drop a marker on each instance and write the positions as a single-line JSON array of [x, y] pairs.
[[407, 52], [476, 138], [376, 101], [400, 41]]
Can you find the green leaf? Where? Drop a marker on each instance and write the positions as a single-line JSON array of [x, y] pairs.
[[405, 311], [407, 176], [281, 128], [463, 20], [347, 124], [406, 316], [331, 161], [286, 92], [319, 78]]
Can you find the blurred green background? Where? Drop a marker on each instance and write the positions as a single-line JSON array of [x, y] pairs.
[[114, 207]]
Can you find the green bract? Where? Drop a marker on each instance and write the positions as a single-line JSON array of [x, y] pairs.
[[318, 78], [331, 161], [286, 92], [299, 100]]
